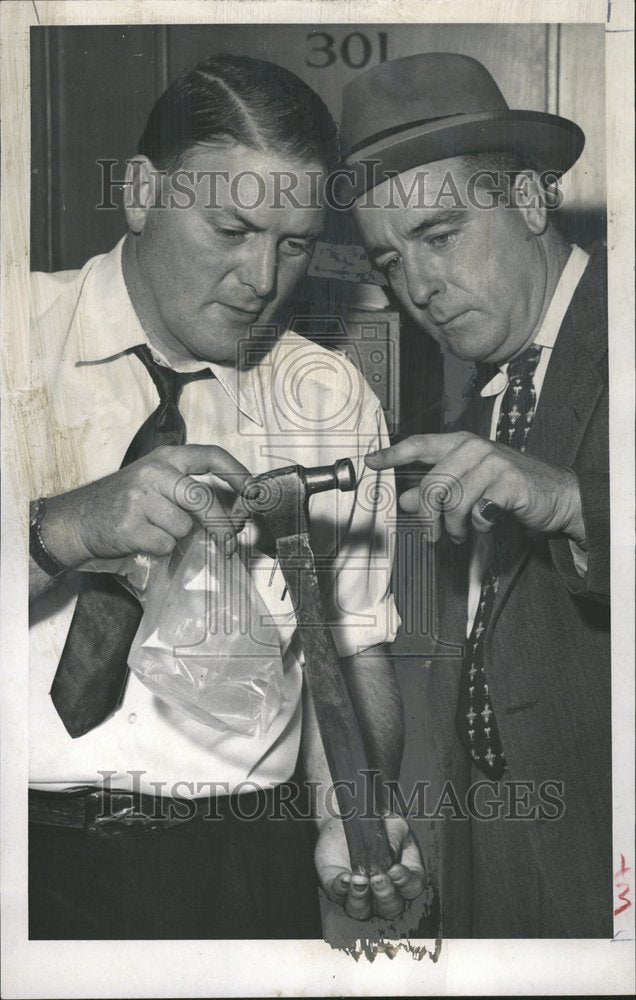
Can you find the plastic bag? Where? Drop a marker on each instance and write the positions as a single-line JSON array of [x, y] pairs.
[[202, 644]]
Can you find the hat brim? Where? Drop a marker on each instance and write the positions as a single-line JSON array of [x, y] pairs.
[[547, 142]]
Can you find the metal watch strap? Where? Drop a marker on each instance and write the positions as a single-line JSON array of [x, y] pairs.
[[37, 549]]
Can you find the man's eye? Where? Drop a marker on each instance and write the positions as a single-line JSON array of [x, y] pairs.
[[392, 266], [442, 239], [230, 234], [293, 248]]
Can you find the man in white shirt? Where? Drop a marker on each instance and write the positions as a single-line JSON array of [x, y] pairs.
[[453, 198], [183, 294]]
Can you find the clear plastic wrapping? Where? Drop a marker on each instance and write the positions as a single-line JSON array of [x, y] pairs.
[[203, 644]]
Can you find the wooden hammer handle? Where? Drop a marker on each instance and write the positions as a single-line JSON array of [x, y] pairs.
[[367, 841]]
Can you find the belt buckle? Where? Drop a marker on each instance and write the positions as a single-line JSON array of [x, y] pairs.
[[114, 814]]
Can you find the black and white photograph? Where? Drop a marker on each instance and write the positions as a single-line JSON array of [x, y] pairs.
[[318, 487]]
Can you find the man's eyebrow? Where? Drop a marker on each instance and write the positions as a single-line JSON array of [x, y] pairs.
[[313, 235], [435, 219], [243, 219], [250, 224]]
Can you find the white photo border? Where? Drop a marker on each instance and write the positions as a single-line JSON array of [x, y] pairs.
[[309, 968]]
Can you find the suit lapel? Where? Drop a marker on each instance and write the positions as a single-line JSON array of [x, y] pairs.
[[574, 381], [576, 374]]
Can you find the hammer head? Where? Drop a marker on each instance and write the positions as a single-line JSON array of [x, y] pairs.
[[281, 495]]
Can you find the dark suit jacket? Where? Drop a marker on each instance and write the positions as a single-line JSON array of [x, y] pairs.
[[547, 648]]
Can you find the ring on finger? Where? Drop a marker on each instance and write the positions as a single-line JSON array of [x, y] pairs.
[[489, 510]]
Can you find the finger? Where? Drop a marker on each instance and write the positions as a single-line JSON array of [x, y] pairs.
[[155, 541], [437, 492], [477, 481], [337, 889], [442, 491], [387, 900], [403, 844], [359, 903], [411, 857], [410, 500], [203, 502], [508, 487], [503, 493], [426, 448], [197, 459], [488, 511], [398, 834], [239, 514], [409, 884], [168, 516]]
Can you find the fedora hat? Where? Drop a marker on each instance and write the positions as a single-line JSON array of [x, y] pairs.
[[413, 111]]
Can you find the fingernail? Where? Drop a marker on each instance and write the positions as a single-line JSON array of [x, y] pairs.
[[397, 876], [372, 454], [345, 879]]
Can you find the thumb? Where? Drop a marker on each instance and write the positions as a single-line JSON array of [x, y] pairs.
[[198, 459], [397, 832]]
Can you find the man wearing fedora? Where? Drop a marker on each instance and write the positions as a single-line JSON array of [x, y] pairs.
[[453, 200]]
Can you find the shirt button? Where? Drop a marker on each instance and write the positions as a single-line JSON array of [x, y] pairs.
[[132, 718]]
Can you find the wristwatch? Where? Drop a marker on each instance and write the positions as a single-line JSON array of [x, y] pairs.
[[37, 549]]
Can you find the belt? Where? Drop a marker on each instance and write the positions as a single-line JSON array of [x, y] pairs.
[[101, 812]]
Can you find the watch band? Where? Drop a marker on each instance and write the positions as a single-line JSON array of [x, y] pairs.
[[37, 549]]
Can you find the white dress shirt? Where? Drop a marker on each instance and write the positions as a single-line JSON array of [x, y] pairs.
[[545, 338], [302, 405]]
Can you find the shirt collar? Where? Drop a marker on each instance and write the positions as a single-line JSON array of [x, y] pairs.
[[106, 326], [555, 313]]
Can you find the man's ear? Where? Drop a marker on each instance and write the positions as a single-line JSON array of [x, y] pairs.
[[529, 198], [140, 192]]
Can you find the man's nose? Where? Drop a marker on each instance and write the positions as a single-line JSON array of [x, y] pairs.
[[259, 268], [422, 282]]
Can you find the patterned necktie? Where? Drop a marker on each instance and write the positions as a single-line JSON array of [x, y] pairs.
[[93, 668], [475, 722]]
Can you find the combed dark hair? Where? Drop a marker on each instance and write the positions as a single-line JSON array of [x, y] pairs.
[[250, 101]]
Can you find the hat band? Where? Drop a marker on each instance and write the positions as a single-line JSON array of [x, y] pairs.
[[396, 129]]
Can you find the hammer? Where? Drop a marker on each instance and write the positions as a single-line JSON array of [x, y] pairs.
[[280, 497]]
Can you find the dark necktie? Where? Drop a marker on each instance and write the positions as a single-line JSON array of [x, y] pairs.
[[475, 722], [93, 669]]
